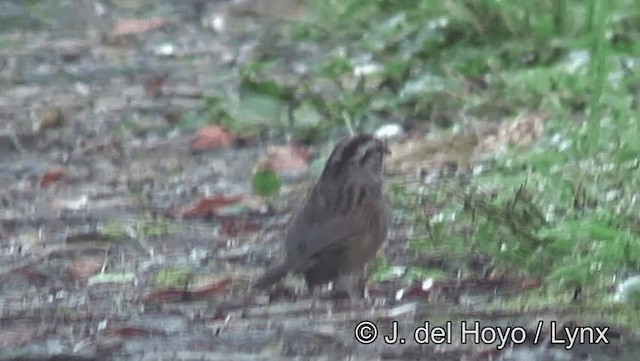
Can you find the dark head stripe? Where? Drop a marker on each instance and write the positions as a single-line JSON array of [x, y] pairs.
[[349, 149]]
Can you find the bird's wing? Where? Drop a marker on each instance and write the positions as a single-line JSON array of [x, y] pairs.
[[331, 232]]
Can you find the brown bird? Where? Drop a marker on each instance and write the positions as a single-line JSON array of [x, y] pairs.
[[343, 221]]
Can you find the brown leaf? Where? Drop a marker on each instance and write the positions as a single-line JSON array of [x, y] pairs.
[[32, 274], [165, 296], [208, 206], [435, 151], [234, 226], [84, 267], [439, 149], [287, 159], [212, 137], [53, 175], [183, 295], [414, 290], [210, 290], [522, 131], [137, 26]]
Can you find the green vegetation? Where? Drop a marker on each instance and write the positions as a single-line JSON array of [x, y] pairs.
[[266, 182], [564, 209], [172, 278], [148, 228]]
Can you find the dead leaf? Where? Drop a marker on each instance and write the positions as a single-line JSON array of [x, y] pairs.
[[208, 206], [137, 26], [84, 267], [184, 295], [165, 296], [287, 159], [440, 149], [523, 131], [416, 289], [234, 226], [210, 290], [436, 151], [32, 274], [53, 175], [212, 137]]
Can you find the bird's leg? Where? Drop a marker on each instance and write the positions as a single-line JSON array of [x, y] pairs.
[[349, 285]]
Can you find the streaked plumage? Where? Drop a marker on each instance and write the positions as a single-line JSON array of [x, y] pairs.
[[344, 219]]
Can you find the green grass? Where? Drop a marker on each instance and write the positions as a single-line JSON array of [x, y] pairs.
[[564, 209]]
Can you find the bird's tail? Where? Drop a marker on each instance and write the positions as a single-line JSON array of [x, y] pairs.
[[272, 276]]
